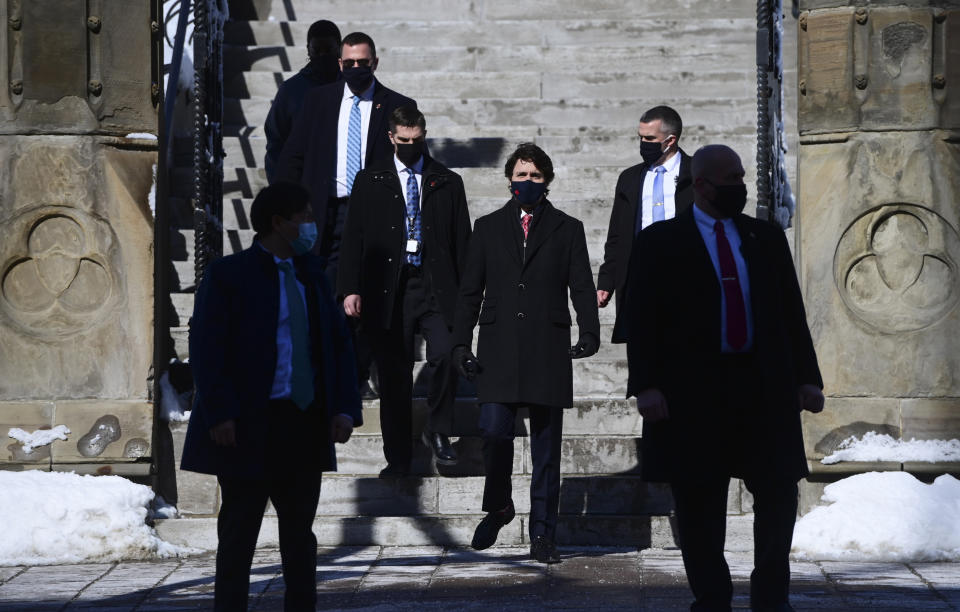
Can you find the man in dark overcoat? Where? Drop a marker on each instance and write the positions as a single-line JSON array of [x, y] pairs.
[[404, 248], [721, 371], [523, 260], [656, 189], [275, 389]]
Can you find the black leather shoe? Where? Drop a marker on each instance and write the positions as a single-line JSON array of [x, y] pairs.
[[439, 445], [486, 534], [367, 392], [394, 470], [544, 550]]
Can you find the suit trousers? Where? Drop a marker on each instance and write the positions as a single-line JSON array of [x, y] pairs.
[[294, 489], [701, 504], [416, 310], [497, 422]]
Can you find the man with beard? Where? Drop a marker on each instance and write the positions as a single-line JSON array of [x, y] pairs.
[[404, 248], [523, 260], [656, 189], [341, 128], [323, 50], [721, 372]]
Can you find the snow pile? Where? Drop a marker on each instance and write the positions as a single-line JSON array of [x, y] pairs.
[[882, 447], [39, 438], [141, 136], [175, 405], [883, 516], [55, 517]]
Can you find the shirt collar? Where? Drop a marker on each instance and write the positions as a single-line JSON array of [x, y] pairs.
[[706, 222], [275, 258], [670, 166], [401, 169], [366, 95]]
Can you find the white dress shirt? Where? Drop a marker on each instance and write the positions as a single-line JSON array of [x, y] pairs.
[[404, 175], [366, 106], [670, 177], [705, 224], [282, 374]]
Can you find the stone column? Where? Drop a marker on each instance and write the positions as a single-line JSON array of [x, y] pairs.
[[878, 218], [76, 231]]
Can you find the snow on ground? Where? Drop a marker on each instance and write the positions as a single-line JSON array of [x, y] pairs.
[[883, 516], [38, 438], [56, 517], [882, 447]]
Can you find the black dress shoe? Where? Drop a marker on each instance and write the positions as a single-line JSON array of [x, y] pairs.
[[367, 392], [394, 470], [486, 534], [439, 445], [544, 550]]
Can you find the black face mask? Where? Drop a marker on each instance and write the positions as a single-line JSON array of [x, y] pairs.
[[409, 152], [650, 152], [358, 78], [730, 199], [325, 67], [527, 193]]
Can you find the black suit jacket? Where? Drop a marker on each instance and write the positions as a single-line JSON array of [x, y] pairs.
[[233, 354], [675, 306], [310, 153], [612, 275], [373, 249], [519, 296]]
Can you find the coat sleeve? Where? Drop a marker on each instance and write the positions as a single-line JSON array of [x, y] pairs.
[[472, 284], [210, 342], [347, 393], [641, 348], [806, 369], [607, 275], [461, 230], [349, 275], [583, 293], [276, 129], [291, 158]]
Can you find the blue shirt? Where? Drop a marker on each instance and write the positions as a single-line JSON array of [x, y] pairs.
[[281, 388], [705, 224]]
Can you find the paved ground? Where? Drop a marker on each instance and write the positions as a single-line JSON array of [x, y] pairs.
[[434, 578]]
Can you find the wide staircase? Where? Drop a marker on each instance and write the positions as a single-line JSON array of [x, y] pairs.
[[572, 76]]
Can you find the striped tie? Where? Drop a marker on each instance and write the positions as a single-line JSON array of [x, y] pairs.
[[353, 143]]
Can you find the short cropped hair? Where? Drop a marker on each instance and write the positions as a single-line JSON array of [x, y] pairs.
[[327, 33], [407, 116], [530, 152], [359, 38], [284, 198], [670, 122]]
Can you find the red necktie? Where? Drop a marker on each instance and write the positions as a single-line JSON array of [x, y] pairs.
[[525, 223], [736, 312]]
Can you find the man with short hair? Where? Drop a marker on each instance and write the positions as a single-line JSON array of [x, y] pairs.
[[323, 51], [275, 389], [523, 261], [341, 128], [656, 189], [721, 372], [404, 249]]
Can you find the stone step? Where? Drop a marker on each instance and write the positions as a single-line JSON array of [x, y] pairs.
[[565, 30]]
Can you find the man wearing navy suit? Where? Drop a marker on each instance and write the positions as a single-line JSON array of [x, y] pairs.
[[341, 129], [275, 389], [656, 189], [721, 363]]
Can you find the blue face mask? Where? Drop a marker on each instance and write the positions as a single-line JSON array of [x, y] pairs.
[[306, 238], [527, 192]]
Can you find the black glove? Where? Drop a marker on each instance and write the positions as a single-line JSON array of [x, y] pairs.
[[466, 362], [588, 345]]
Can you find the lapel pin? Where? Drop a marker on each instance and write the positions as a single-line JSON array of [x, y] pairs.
[[378, 106]]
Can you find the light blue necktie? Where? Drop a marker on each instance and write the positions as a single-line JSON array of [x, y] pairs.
[[301, 376], [353, 143], [659, 214], [413, 214]]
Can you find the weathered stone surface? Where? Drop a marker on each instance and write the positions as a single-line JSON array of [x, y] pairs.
[[930, 419], [843, 418], [197, 494], [103, 430], [28, 416]]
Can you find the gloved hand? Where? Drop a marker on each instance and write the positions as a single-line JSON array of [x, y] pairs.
[[465, 362], [588, 345]]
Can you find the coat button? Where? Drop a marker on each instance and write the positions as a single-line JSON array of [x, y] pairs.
[[389, 258], [395, 196], [521, 286], [384, 290], [520, 315]]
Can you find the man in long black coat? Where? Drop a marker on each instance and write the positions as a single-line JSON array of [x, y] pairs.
[[323, 50], [721, 371], [275, 388], [404, 248], [639, 203], [523, 260]]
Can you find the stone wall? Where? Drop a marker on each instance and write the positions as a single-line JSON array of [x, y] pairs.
[[76, 252]]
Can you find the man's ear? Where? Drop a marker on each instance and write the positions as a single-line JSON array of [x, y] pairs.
[[374, 64]]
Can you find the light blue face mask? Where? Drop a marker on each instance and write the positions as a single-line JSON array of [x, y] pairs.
[[306, 239]]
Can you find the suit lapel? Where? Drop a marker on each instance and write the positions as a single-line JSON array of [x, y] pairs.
[[546, 225], [748, 246], [683, 195], [510, 226], [701, 264], [378, 114], [634, 188], [332, 118]]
